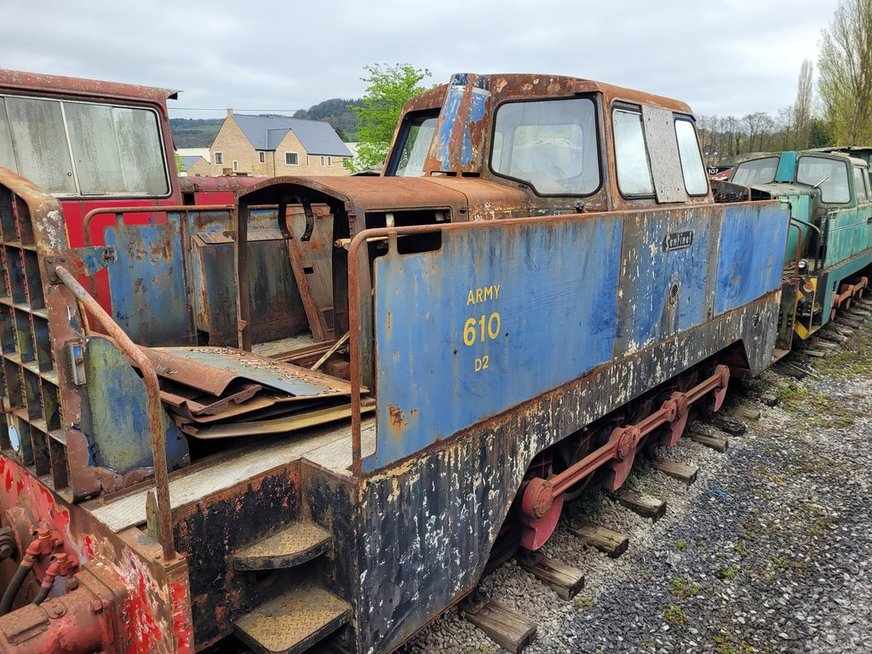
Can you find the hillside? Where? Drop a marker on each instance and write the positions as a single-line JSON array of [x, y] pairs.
[[194, 132], [200, 132]]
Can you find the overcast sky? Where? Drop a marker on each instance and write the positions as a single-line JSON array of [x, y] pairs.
[[722, 57]]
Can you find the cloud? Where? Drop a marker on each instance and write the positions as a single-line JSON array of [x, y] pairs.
[[730, 57]]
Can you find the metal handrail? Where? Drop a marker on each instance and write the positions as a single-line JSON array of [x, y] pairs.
[[181, 208], [153, 403]]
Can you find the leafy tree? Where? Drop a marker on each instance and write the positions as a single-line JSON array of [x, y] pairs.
[[845, 72], [180, 163], [389, 88], [819, 134]]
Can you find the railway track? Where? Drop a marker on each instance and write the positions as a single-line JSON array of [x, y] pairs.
[[524, 599]]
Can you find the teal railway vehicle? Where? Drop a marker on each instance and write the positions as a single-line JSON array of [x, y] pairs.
[[313, 416], [830, 198]]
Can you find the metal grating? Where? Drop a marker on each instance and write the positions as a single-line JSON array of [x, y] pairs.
[[31, 417]]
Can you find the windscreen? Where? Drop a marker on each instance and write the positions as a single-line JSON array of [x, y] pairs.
[[829, 175], [756, 171], [415, 147], [550, 145]]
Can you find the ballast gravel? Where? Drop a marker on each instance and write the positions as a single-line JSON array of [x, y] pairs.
[[769, 551]]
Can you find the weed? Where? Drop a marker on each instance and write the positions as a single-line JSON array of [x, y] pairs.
[[681, 545], [582, 602], [674, 614], [780, 563], [682, 589], [728, 572]]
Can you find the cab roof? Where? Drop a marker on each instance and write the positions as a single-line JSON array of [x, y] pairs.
[[18, 81]]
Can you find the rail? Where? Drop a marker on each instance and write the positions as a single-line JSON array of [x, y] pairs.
[[155, 410], [118, 211]]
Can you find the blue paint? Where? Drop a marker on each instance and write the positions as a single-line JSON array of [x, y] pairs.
[[556, 307], [147, 284], [751, 254], [121, 439], [647, 310], [450, 115]]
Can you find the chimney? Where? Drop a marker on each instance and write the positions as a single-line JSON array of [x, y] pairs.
[[229, 111]]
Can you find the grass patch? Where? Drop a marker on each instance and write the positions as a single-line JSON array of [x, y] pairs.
[[582, 602], [674, 614], [681, 545], [683, 589], [728, 572]]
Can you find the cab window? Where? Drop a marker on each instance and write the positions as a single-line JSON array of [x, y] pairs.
[[859, 187], [550, 145], [86, 149], [829, 175], [695, 180], [631, 155], [756, 171], [416, 143]]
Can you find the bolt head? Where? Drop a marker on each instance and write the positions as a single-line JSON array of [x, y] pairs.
[[96, 606]]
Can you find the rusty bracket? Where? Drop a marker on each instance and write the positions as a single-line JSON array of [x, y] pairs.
[[90, 259]]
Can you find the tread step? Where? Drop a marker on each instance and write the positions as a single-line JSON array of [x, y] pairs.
[[292, 622], [292, 546]]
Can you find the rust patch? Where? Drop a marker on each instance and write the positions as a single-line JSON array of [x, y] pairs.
[[398, 420]]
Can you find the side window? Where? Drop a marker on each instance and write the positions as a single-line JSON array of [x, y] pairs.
[[859, 187], [631, 155], [549, 144], [41, 143], [261, 156], [219, 158], [292, 159], [695, 180], [7, 154]]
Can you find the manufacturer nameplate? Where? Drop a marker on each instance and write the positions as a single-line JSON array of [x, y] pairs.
[[677, 241]]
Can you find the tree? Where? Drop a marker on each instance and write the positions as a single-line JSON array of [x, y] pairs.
[[388, 89], [802, 106], [845, 72], [819, 135]]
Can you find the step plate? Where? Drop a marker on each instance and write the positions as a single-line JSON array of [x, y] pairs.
[[293, 622], [296, 544]]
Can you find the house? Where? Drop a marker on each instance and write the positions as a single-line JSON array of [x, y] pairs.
[[272, 146], [194, 166]]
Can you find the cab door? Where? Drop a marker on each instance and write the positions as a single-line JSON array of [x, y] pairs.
[[863, 226]]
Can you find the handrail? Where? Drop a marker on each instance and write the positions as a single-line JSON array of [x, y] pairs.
[[155, 409], [187, 208]]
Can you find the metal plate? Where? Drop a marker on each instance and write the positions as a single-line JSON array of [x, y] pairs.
[[666, 166], [496, 317]]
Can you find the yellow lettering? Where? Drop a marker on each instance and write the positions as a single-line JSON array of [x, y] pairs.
[[496, 288], [489, 293], [478, 295], [470, 299]]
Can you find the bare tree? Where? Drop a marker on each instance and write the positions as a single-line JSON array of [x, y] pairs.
[[802, 106], [845, 72]]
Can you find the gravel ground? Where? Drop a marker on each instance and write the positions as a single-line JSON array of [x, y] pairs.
[[769, 551]]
